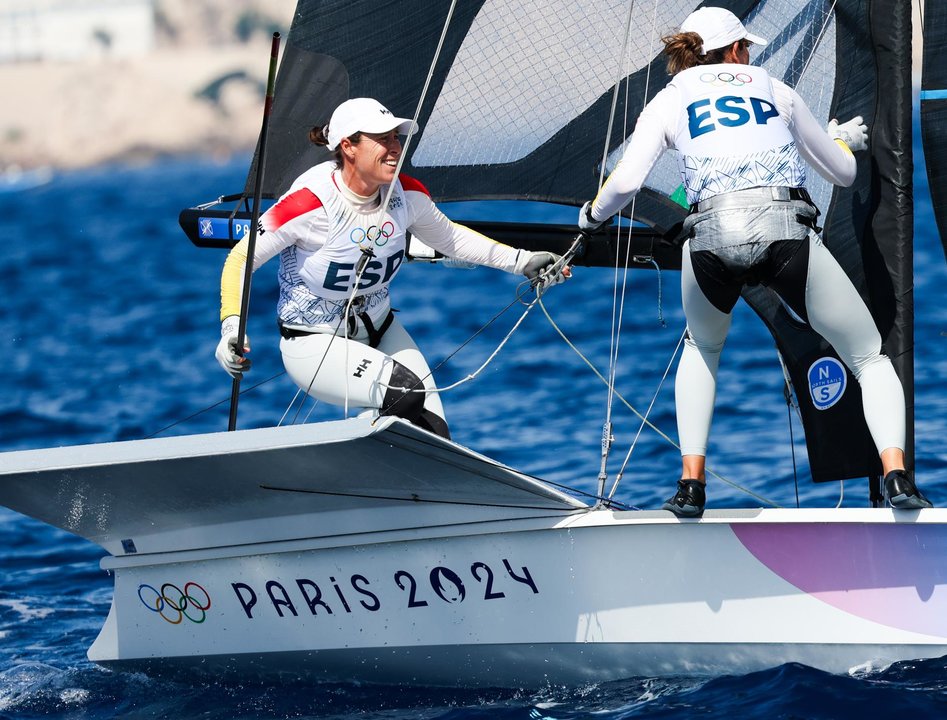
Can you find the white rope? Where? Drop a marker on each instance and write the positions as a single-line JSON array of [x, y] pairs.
[[477, 372], [825, 25], [289, 407], [841, 494], [621, 74], [654, 397], [618, 297], [647, 422], [417, 112]]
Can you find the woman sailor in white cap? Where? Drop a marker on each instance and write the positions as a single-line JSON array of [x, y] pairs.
[[339, 349], [742, 137]]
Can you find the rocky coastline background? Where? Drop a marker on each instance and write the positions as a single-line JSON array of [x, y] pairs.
[[199, 88]]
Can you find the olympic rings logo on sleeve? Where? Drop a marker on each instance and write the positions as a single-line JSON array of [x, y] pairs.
[[376, 235], [725, 78], [174, 604]]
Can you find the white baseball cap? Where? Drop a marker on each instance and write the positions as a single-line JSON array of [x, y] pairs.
[[364, 115], [718, 28]]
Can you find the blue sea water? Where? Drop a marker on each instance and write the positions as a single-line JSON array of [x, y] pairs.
[[110, 322]]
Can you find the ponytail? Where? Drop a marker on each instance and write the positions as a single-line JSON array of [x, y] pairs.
[[684, 50], [319, 136]]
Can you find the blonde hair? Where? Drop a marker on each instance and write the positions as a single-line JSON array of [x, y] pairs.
[[683, 51]]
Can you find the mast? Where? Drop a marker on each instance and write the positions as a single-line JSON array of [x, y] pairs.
[[889, 272], [934, 108]]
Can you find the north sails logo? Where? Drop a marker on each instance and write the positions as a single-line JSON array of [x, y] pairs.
[[827, 382]]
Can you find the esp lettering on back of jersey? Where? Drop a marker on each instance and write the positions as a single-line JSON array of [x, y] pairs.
[[704, 116]]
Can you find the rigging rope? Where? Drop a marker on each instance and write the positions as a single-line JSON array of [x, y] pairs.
[[618, 298], [647, 413], [825, 24], [644, 419], [473, 375], [611, 113], [430, 501]]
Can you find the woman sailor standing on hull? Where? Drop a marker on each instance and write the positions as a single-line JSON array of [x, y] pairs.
[[741, 138], [342, 347]]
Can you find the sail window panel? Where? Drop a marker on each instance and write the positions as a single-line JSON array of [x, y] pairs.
[[802, 53], [525, 70]]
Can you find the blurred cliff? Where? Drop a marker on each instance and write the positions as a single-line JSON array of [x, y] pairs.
[[92, 81]]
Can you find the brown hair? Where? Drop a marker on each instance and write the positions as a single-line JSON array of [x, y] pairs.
[[318, 136], [684, 51]]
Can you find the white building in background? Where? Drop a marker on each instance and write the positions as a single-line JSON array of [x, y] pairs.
[[64, 30]]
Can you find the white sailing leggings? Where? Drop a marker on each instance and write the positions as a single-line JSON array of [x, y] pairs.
[[349, 372], [833, 308]]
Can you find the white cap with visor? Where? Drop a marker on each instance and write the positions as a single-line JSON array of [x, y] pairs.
[[718, 28], [364, 115]]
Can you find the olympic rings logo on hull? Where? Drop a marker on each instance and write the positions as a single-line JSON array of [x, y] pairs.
[[376, 235], [174, 604], [725, 78]]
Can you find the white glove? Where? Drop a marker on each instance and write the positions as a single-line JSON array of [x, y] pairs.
[[227, 348], [854, 133], [545, 269], [587, 223]]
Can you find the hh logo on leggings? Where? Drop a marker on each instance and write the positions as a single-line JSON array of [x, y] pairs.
[[827, 380], [362, 367]]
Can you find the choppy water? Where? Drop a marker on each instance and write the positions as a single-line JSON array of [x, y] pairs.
[[110, 322]]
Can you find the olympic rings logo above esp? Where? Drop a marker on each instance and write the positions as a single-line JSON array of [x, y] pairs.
[[725, 78], [377, 235], [174, 604]]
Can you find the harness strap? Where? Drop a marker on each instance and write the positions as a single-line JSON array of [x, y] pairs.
[[742, 197], [374, 336]]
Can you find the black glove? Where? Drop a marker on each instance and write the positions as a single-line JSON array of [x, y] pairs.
[[587, 223], [545, 269]]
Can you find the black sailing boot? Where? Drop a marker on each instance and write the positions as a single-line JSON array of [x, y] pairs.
[[689, 499], [901, 492]]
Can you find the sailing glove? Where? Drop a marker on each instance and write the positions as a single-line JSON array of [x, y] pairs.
[[545, 269], [227, 347], [587, 223], [853, 133]]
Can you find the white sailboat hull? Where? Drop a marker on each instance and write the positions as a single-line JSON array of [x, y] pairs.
[[521, 603], [435, 566]]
